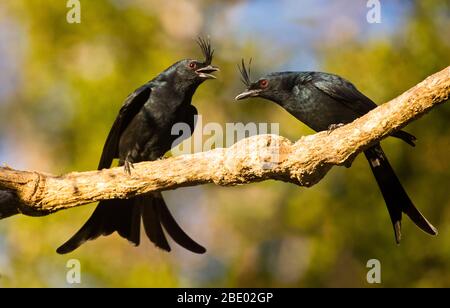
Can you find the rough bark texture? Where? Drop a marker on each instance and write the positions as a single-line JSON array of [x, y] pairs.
[[254, 159]]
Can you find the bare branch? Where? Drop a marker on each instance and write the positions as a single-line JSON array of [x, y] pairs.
[[304, 162]]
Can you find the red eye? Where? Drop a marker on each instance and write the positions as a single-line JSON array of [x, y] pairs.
[[264, 83], [192, 65]]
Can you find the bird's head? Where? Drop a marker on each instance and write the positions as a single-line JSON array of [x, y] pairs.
[[194, 72], [274, 86]]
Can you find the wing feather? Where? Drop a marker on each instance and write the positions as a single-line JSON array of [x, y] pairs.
[[343, 91], [128, 111]]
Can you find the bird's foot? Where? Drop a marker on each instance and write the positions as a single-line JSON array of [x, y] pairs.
[[332, 127], [127, 166]]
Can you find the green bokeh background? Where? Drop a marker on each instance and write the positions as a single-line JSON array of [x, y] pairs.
[[70, 80]]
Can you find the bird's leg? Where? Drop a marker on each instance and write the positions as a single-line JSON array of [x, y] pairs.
[[128, 165], [332, 127]]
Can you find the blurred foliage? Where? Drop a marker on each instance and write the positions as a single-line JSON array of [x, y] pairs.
[[73, 79]]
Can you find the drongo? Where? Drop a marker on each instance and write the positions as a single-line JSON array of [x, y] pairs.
[[142, 132], [325, 101]]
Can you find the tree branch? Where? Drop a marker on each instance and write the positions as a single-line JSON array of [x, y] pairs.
[[253, 159]]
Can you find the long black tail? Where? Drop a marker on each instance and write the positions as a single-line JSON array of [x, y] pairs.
[[155, 214], [124, 216], [394, 194]]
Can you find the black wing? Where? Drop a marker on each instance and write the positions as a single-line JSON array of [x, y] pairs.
[[343, 91], [130, 108], [185, 115], [346, 93]]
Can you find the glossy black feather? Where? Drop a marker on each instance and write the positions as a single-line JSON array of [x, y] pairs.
[[132, 105], [344, 92], [142, 131], [173, 229], [207, 50], [245, 72], [321, 100], [104, 221], [152, 221], [395, 196]]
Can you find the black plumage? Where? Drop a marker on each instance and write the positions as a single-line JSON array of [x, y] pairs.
[[142, 132], [323, 101]]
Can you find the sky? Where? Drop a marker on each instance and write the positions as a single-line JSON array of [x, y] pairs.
[[295, 27]]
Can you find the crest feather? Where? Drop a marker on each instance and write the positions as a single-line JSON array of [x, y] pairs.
[[208, 52], [246, 72]]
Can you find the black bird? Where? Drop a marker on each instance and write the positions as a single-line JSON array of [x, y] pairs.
[[142, 132], [325, 101]]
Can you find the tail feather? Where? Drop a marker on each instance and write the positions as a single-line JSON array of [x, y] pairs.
[[124, 217], [151, 219], [160, 210], [176, 232], [130, 229], [109, 216], [397, 200], [407, 137]]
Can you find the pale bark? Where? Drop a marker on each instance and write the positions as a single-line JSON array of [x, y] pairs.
[[304, 162]]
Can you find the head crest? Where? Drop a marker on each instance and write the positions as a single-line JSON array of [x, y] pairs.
[[246, 72], [208, 52]]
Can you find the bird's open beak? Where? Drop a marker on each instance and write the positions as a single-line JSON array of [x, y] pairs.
[[247, 94], [205, 72]]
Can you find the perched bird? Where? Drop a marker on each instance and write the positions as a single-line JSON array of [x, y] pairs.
[[142, 132], [325, 101]]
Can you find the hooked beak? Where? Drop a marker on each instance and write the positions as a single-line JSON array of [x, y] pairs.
[[247, 94], [205, 72]]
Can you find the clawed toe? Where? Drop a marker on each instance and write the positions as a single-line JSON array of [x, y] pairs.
[[332, 127], [128, 166]]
